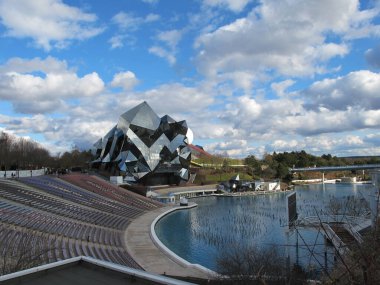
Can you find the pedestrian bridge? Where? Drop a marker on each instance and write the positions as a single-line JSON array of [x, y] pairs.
[[341, 230], [335, 168]]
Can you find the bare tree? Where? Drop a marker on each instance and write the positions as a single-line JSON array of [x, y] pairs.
[[351, 206], [21, 153], [254, 265], [5, 146], [361, 265], [26, 251], [359, 262]]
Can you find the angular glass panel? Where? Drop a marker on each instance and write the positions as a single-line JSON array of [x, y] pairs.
[[142, 144]]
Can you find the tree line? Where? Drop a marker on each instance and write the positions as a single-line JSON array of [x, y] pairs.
[[277, 165], [22, 153]]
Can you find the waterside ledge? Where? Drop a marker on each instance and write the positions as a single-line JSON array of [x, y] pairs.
[[147, 250]]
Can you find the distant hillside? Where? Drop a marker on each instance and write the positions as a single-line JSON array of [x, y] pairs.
[[363, 157]]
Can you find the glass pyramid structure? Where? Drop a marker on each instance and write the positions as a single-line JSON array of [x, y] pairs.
[[145, 148]]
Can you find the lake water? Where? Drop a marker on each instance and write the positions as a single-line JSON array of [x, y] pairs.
[[202, 234]]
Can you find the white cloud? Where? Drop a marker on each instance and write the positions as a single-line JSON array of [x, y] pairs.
[[176, 99], [39, 85], [233, 148], [152, 18], [150, 1], [276, 43], [50, 23], [60, 133], [127, 80], [84, 133], [360, 23], [282, 37], [339, 145], [64, 85], [170, 39], [163, 53], [285, 145], [83, 124], [37, 124], [233, 5], [244, 126], [373, 139], [31, 106], [128, 23], [358, 89], [47, 65], [117, 41], [280, 87], [241, 79], [315, 111], [259, 117], [319, 144]]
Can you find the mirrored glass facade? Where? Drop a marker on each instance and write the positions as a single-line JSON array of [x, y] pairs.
[[145, 148]]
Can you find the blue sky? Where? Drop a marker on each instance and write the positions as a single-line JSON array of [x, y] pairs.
[[250, 77]]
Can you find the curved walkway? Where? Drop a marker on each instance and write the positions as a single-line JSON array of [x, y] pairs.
[[152, 258]]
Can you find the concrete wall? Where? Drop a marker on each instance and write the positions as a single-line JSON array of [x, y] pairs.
[[116, 179], [267, 186], [22, 173], [348, 179]]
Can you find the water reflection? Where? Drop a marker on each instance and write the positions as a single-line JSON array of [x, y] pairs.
[[201, 234]]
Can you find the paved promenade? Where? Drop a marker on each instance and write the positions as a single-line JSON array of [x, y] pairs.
[[145, 251]]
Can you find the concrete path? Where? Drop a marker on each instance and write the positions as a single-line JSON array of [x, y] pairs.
[[141, 246]]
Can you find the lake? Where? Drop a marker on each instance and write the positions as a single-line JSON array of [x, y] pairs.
[[202, 234]]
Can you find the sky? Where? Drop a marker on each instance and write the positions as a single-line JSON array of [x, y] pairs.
[[250, 77]]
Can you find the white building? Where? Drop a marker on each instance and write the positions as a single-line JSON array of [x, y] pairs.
[[267, 186]]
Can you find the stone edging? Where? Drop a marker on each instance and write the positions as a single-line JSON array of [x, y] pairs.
[[179, 260]]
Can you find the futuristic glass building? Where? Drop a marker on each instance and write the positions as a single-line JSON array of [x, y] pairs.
[[146, 148]]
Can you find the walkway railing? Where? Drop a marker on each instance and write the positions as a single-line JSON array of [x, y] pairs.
[[357, 222], [335, 239], [22, 173], [352, 225], [336, 168]]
